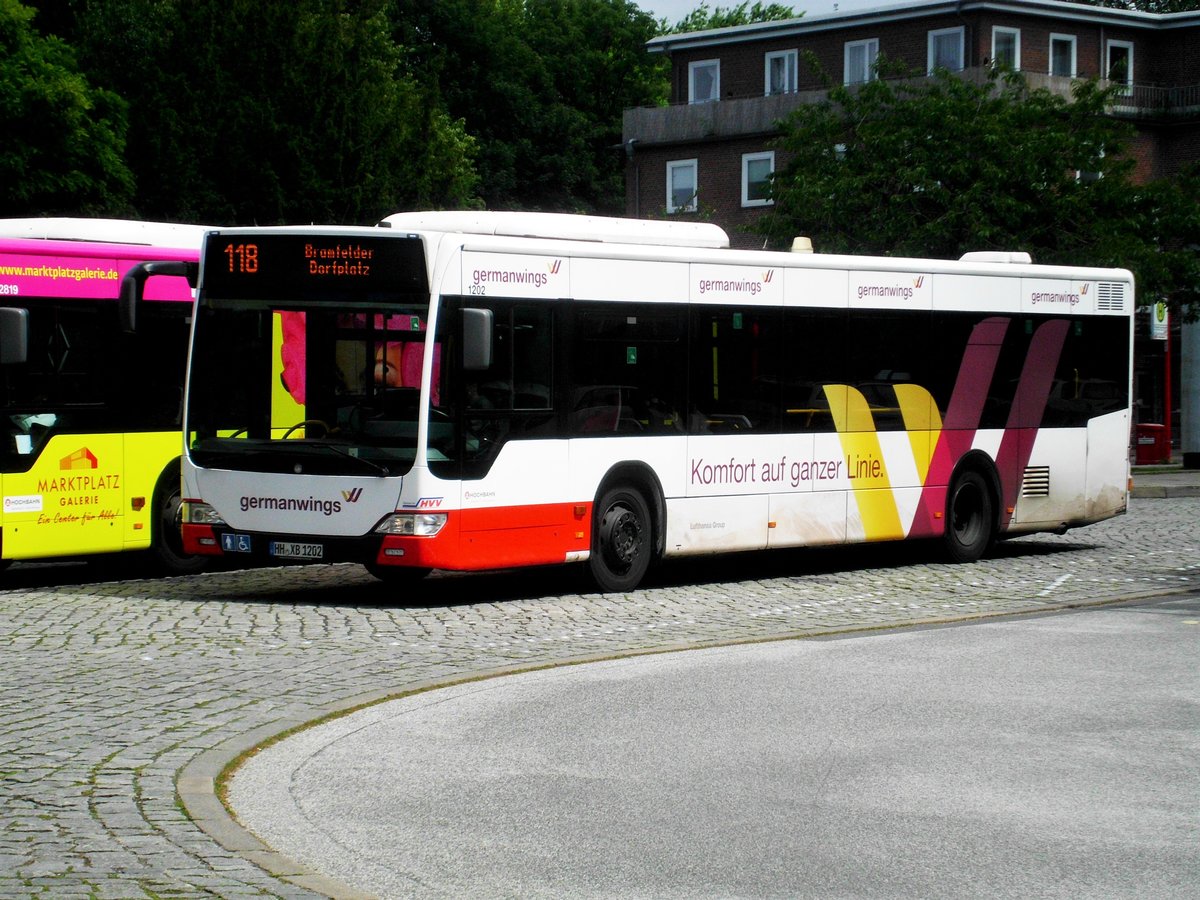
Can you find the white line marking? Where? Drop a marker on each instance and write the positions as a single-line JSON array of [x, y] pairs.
[[1057, 582]]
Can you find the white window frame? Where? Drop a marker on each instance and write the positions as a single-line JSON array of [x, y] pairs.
[[961, 32], [693, 68], [672, 167], [791, 62], [1070, 39], [747, 159], [871, 47], [1015, 33], [1108, 61]]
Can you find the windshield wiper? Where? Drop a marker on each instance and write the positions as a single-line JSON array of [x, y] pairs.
[[341, 450]]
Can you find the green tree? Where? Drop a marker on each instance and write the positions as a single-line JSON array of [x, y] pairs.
[[541, 85], [704, 17], [1151, 6], [937, 167], [64, 139], [248, 112]]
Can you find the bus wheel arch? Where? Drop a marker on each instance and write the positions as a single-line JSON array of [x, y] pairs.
[[972, 508], [166, 541], [627, 527]]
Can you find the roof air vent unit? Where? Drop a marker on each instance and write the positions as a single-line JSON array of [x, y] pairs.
[[1110, 296], [998, 256]]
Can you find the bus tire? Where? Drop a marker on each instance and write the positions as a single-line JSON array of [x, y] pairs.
[[970, 517], [166, 539], [622, 540], [397, 575]]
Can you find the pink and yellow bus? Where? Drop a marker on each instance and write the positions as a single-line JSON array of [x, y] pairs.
[[89, 414], [484, 390]]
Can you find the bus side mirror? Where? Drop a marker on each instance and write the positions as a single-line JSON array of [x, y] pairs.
[[133, 286], [14, 335], [477, 339]]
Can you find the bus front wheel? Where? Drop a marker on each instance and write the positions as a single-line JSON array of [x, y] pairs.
[[166, 539], [621, 540], [397, 575], [970, 518]]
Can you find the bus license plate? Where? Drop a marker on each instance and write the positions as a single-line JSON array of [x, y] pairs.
[[296, 551]]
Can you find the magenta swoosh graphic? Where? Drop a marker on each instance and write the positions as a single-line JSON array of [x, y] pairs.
[[963, 415], [1033, 391]]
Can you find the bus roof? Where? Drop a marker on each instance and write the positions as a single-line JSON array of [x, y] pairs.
[[109, 231], [564, 226]]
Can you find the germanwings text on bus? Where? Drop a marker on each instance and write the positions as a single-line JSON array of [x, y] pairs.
[[515, 276], [291, 504]]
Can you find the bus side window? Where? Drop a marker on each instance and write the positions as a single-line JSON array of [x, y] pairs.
[[627, 365]]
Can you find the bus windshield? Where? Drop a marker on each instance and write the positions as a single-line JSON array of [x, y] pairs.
[[320, 376], [326, 390]]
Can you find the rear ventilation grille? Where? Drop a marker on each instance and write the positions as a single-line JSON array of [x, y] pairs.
[[1036, 482], [1110, 296]]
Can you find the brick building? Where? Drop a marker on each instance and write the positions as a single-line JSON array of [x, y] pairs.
[[709, 152]]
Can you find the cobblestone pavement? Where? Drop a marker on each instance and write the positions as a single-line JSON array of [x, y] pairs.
[[111, 692]]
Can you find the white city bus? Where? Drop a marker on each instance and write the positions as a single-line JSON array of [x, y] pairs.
[[483, 390]]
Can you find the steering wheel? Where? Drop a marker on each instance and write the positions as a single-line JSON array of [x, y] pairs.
[[306, 424]]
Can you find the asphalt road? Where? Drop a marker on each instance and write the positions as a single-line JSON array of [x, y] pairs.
[[1049, 756]]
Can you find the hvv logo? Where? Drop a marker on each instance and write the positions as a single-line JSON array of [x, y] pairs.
[[425, 503]]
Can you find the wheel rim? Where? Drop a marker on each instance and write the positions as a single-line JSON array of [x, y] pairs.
[[968, 513], [171, 519], [622, 538]]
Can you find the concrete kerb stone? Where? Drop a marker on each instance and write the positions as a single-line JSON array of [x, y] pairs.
[[1165, 492], [197, 785]]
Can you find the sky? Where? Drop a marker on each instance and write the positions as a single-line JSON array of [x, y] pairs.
[[674, 10]]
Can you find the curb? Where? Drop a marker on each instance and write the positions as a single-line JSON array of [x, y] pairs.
[[1165, 491]]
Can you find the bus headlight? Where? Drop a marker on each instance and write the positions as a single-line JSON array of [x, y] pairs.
[[197, 513], [415, 524]]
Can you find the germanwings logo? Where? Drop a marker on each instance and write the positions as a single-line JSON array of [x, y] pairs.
[[768, 275], [891, 290], [528, 277], [352, 495]]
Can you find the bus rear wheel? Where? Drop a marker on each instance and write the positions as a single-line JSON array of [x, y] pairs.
[[622, 540], [970, 518]]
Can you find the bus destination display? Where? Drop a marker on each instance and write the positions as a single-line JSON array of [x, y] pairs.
[[313, 267]]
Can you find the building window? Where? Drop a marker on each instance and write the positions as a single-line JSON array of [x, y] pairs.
[[859, 60], [1062, 55], [682, 185], [704, 81], [946, 49], [1006, 48], [781, 69], [757, 169], [1119, 67]]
